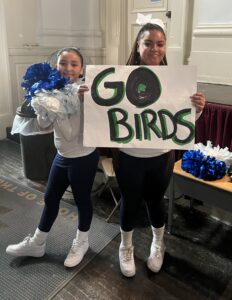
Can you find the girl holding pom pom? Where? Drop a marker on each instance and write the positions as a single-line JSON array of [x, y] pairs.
[[74, 164]]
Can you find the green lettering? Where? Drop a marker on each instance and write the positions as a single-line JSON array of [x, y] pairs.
[[118, 87], [115, 123]]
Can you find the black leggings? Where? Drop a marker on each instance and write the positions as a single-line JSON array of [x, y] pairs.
[[79, 173], [143, 179]]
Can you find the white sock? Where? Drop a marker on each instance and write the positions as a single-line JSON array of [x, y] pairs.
[[82, 235], [126, 238], [39, 236], [158, 234]]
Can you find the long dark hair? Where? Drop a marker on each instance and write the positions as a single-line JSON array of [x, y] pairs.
[[134, 58]]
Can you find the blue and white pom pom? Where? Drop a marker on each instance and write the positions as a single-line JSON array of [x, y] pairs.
[[57, 104], [219, 153], [207, 162]]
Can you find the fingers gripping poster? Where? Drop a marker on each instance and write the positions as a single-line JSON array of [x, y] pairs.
[[140, 106]]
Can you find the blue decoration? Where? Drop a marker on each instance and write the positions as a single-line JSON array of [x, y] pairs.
[[49, 94], [202, 166], [40, 77]]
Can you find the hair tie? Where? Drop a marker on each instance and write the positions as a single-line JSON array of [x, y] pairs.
[[144, 19]]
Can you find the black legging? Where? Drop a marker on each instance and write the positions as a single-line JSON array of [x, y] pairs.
[[143, 179], [79, 173]]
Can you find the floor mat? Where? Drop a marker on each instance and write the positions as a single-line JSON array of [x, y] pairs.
[[40, 278]]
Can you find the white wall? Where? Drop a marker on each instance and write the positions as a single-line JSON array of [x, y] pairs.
[[220, 12], [20, 16], [73, 22], [30, 30], [6, 115], [212, 41]]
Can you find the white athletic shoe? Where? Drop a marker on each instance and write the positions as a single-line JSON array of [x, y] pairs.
[[27, 247], [76, 253], [155, 260], [126, 259]]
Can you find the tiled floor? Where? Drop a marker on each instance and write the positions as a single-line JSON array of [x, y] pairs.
[[198, 259]]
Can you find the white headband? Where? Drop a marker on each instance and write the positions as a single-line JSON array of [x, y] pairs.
[[142, 20]]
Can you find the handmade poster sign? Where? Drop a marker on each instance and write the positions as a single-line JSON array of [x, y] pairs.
[[140, 106]]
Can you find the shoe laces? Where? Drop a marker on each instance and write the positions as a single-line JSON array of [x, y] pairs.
[[127, 254], [27, 239], [77, 244], [157, 251]]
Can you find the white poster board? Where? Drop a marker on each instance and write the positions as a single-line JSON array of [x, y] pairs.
[[140, 106]]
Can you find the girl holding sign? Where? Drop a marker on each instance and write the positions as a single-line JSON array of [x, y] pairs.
[[74, 164], [145, 172]]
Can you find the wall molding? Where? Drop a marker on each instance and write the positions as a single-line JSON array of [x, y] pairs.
[[146, 7], [51, 37], [31, 50], [215, 30], [148, 10], [70, 33]]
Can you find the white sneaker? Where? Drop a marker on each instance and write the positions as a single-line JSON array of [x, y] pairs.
[[27, 248], [126, 260], [76, 253], [155, 260]]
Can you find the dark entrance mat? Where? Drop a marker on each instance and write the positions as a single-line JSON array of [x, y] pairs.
[[40, 278]]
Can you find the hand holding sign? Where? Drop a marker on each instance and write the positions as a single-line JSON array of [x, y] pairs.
[[198, 100], [81, 90]]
